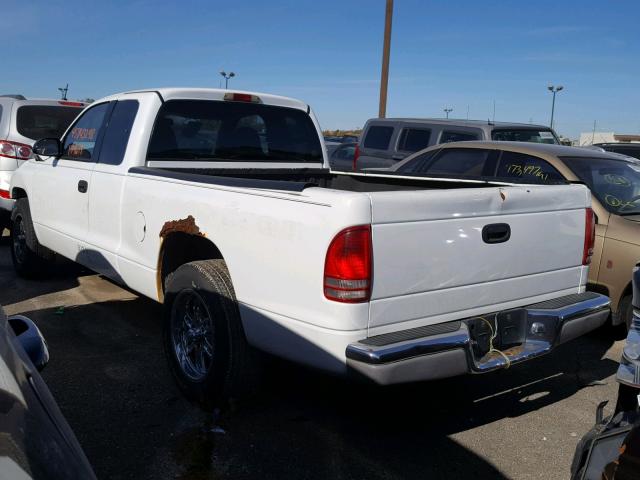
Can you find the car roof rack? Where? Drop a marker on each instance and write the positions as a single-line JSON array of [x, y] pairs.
[[14, 95]]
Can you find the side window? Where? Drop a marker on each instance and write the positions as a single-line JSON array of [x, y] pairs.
[[378, 137], [80, 142], [413, 139], [117, 133], [416, 164], [521, 168], [459, 162], [448, 137]]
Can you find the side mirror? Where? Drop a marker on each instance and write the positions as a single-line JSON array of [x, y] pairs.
[[47, 147], [31, 340]]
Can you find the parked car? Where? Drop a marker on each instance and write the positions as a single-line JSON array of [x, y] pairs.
[[629, 149], [611, 449], [248, 239], [614, 182], [386, 141], [22, 122], [35, 440], [342, 157]]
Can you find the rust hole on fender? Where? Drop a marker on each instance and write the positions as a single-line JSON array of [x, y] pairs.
[[184, 225]]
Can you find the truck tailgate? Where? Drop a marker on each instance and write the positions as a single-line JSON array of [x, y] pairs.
[[432, 264]]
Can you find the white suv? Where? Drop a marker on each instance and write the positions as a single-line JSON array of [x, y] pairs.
[[22, 122]]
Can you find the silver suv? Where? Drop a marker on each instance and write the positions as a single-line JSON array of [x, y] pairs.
[[386, 141], [22, 122]]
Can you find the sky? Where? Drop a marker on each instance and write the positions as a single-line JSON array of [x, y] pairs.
[[462, 54]]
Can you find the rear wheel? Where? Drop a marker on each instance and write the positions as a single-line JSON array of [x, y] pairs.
[[30, 259], [203, 336]]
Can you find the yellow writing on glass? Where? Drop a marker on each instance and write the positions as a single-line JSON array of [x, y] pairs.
[[615, 202], [614, 179], [532, 170]]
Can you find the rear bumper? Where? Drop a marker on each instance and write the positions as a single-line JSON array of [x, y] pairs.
[[456, 348]]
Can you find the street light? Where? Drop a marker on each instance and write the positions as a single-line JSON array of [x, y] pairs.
[[447, 111], [553, 90], [227, 76], [63, 91]]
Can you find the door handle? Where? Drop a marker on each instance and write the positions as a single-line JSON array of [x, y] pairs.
[[496, 233], [83, 186]]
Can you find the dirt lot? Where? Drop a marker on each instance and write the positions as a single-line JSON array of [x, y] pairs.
[[108, 374]]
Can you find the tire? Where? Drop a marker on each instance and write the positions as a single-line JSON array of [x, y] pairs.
[[625, 310], [208, 354], [30, 259]]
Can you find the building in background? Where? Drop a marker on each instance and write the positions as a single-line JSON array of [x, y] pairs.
[[589, 138]]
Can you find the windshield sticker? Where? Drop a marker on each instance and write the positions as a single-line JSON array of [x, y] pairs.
[[533, 170], [615, 179], [83, 134], [546, 135]]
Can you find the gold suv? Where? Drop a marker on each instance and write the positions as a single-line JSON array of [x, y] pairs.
[[614, 181]]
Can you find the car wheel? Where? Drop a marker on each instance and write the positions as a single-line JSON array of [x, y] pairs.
[[30, 259], [626, 311], [203, 337]]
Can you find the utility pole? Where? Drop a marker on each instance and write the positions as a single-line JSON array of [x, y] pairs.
[[553, 90], [63, 91], [386, 48], [448, 111]]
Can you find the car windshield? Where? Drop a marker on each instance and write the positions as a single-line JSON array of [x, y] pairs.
[[233, 132], [42, 121], [535, 135], [615, 183]]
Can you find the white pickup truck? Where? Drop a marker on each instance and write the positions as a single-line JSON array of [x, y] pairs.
[[220, 205]]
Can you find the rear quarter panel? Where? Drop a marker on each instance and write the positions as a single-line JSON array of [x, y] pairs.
[[274, 243]]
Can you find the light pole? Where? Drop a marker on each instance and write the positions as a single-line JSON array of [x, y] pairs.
[[63, 91], [447, 111], [553, 90], [227, 76]]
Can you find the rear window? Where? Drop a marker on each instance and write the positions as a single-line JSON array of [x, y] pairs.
[[378, 137], [233, 132], [44, 121], [533, 135], [414, 139], [448, 137]]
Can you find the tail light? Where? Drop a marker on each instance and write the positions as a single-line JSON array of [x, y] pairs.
[[356, 155], [5, 194], [589, 236], [348, 266], [17, 150]]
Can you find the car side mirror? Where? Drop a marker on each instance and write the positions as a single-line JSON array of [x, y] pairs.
[[31, 340], [47, 147]]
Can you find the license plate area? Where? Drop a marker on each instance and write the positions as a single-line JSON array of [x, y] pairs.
[[508, 327]]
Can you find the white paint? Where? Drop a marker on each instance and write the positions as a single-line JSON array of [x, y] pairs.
[[430, 263]]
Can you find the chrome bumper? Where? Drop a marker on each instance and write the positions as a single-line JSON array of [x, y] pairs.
[[478, 344], [629, 369]]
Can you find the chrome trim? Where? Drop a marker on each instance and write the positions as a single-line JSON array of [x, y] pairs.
[[629, 369], [409, 348], [539, 341]]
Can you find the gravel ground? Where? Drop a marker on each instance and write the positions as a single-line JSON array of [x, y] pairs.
[[109, 376]]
